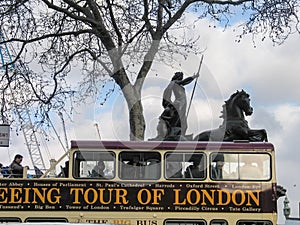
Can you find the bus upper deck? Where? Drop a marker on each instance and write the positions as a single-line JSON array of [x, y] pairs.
[[151, 183], [174, 158]]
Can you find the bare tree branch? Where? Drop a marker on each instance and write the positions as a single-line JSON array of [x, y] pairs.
[[106, 38]]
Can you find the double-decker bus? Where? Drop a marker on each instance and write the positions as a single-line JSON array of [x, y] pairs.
[[149, 183]]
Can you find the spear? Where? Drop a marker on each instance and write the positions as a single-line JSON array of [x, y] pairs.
[[192, 96]]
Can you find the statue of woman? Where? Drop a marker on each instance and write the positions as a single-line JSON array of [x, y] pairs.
[[176, 89]]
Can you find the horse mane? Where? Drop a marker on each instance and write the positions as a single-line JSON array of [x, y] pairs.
[[230, 101]]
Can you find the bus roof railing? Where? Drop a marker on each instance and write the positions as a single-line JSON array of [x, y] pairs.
[[169, 145]]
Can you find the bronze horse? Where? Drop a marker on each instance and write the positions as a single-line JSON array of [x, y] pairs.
[[234, 126]]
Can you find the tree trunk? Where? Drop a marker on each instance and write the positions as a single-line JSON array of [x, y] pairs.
[[137, 121], [136, 113], [132, 95]]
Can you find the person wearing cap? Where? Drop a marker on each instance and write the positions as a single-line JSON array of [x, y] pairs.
[[217, 169], [196, 170], [16, 169]]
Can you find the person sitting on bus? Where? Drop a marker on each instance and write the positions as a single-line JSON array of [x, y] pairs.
[[217, 168], [5, 171], [218, 172], [196, 170], [16, 169], [98, 170], [64, 170]]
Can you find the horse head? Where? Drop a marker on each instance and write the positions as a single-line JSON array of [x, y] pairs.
[[237, 105]]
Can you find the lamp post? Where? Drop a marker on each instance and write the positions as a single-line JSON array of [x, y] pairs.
[[286, 208]]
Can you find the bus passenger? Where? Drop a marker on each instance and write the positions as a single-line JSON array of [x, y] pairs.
[[217, 169], [5, 171], [64, 170], [16, 169], [196, 170], [98, 170]]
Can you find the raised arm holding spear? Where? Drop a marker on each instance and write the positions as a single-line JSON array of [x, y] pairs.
[[197, 76]]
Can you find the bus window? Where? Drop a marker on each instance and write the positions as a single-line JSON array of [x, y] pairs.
[[46, 219], [139, 165], [251, 222], [185, 166], [94, 165], [254, 167], [184, 222], [240, 166], [10, 219], [218, 222]]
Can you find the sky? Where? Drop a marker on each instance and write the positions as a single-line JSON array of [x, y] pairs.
[[269, 74]]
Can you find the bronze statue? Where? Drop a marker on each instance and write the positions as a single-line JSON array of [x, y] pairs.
[[173, 122], [234, 126]]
